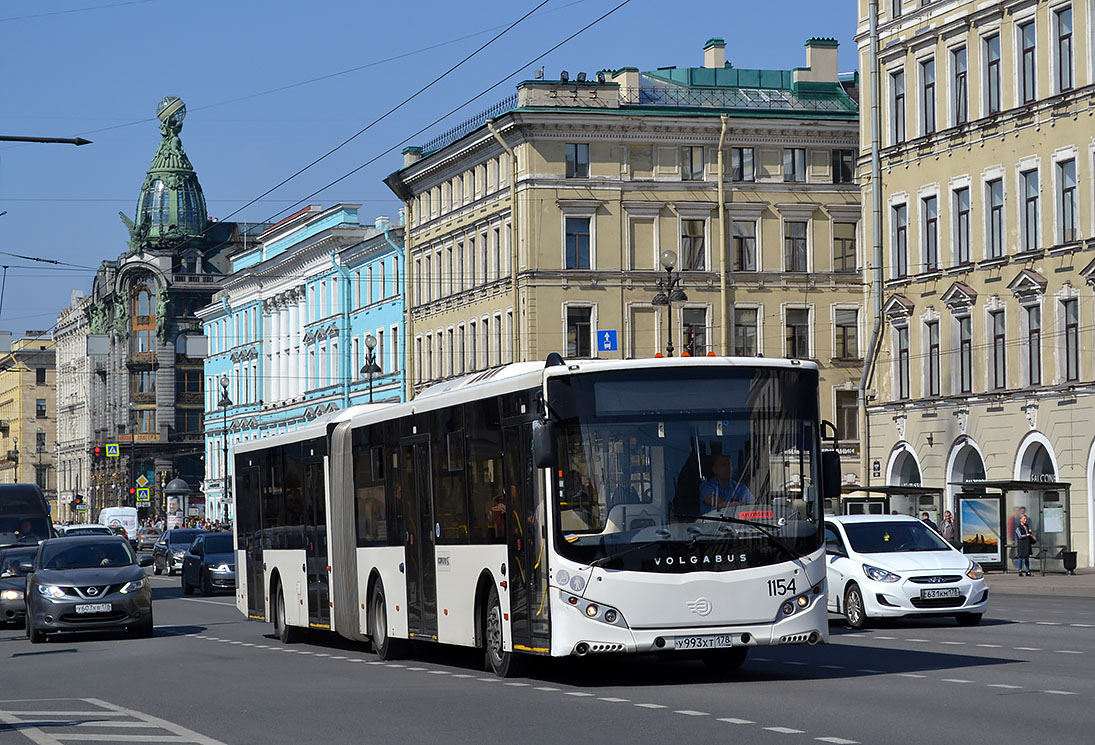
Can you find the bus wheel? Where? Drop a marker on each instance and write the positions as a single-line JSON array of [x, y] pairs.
[[502, 663], [386, 647], [282, 630], [726, 660]]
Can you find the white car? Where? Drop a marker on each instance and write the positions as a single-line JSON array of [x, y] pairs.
[[886, 566]]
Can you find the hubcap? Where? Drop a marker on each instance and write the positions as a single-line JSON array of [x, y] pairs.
[[380, 616], [494, 633], [854, 606]]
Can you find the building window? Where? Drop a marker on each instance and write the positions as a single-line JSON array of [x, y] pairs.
[[692, 163], [843, 166], [40, 408], [961, 227], [1029, 181], [741, 164], [960, 89], [999, 350], [847, 328], [1063, 21], [692, 245], [965, 354], [579, 332], [794, 164], [41, 476], [745, 245], [927, 96], [1034, 344], [39, 376], [1027, 69], [897, 106], [798, 333], [577, 243], [40, 442], [995, 232], [146, 421], [844, 247], [1066, 185], [745, 332], [794, 247], [895, 8], [992, 74], [902, 362], [1072, 340], [901, 240], [577, 160], [187, 420], [932, 332], [847, 416], [694, 328], [931, 234]]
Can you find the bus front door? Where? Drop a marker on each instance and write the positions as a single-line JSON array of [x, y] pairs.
[[419, 539], [526, 530]]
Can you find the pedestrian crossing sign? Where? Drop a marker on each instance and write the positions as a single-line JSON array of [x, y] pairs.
[[112, 450], [144, 494]]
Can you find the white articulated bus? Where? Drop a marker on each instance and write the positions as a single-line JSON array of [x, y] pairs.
[[551, 509]]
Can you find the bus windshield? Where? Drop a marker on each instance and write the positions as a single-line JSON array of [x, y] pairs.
[[24, 515], [692, 469]]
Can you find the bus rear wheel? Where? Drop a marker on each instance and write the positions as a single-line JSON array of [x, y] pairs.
[[502, 663], [385, 646], [282, 630]]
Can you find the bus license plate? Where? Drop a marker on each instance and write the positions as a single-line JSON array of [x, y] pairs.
[[93, 608], [712, 641], [951, 592]]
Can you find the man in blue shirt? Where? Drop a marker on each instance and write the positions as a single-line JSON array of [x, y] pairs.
[[721, 490]]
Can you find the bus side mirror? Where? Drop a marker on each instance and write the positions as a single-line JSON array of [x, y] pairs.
[[830, 474], [544, 448]]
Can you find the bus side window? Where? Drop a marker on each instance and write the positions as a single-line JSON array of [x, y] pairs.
[[483, 451]]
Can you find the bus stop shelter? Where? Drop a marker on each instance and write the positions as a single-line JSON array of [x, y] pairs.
[[892, 500]]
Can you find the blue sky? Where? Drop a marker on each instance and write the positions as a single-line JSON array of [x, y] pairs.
[[96, 68]]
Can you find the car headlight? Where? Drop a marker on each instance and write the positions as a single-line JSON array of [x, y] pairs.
[[51, 591], [178, 554], [221, 568], [975, 571], [133, 586], [11, 594], [880, 575]]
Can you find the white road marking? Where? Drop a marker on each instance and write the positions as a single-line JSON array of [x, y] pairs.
[[869, 671], [831, 667], [990, 646], [613, 700], [460, 675], [651, 706], [954, 643], [1061, 693], [794, 662], [210, 602], [692, 713], [837, 740], [539, 688], [762, 659], [735, 720], [1006, 686], [518, 685], [442, 672], [1046, 623], [1029, 649], [128, 719], [785, 730], [888, 638], [956, 680], [1083, 625], [1068, 651], [918, 640], [578, 693], [911, 675]]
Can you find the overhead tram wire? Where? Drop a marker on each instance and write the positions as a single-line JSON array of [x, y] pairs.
[[450, 112], [387, 113]]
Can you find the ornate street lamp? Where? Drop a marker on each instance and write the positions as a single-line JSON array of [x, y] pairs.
[[224, 403], [669, 292], [370, 368]]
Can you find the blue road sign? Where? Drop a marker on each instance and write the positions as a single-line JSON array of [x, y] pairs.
[[112, 450], [608, 340], [143, 494]]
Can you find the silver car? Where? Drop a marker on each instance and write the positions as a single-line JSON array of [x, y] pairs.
[[87, 583]]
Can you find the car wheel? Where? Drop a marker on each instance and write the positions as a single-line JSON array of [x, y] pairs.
[[186, 588], [36, 636], [386, 647], [207, 586], [145, 630], [156, 567], [726, 660], [854, 609], [284, 632], [969, 619], [502, 663]]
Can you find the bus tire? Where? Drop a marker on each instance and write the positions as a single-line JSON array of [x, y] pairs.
[[855, 611], [384, 645], [282, 630], [726, 660], [502, 663]]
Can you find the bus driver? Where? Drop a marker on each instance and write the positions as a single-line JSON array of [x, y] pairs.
[[721, 490]]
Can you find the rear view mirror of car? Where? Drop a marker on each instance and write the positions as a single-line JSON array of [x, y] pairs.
[[145, 561], [26, 567]]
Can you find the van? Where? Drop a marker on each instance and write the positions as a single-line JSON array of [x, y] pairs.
[[123, 516]]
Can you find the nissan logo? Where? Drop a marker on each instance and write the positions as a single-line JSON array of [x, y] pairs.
[[93, 591], [699, 606]]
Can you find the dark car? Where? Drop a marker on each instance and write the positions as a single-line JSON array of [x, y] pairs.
[[13, 607], [87, 583], [209, 564], [147, 538], [168, 552], [76, 530]]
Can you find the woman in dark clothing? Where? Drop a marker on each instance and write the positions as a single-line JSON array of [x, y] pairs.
[[1024, 540]]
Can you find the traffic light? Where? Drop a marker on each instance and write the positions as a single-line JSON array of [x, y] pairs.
[[98, 452], [79, 499], [132, 496]]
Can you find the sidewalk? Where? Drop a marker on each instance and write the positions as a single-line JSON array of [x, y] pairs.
[[1081, 584]]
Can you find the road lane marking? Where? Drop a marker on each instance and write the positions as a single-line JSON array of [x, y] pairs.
[[1068, 651], [1047, 623], [911, 675], [735, 720], [60, 731], [1028, 649], [580, 694], [924, 641], [954, 643], [517, 684], [210, 602], [539, 688], [1061, 693], [786, 730], [1006, 686], [837, 740], [887, 638], [869, 671], [692, 713], [613, 700], [831, 667], [956, 680], [651, 706], [990, 646]]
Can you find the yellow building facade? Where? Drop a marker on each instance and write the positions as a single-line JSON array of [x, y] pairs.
[[985, 369], [617, 178], [28, 417]]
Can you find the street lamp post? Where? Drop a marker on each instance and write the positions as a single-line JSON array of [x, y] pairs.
[[224, 403], [370, 368], [669, 292]]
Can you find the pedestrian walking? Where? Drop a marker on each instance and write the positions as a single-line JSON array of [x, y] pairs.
[[946, 528], [1024, 542]]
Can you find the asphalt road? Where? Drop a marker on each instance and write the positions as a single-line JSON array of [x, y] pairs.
[[208, 676]]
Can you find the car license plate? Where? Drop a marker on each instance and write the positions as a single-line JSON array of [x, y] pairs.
[[93, 608], [711, 641], [951, 592]]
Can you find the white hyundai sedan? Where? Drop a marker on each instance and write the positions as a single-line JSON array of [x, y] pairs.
[[885, 566]]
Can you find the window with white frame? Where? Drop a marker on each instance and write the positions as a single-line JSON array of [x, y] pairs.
[[931, 336], [741, 164], [846, 322], [797, 333], [960, 96], [577, 243], [693, 252], [579, 331], [577, 160], [794, 246], [694, 331], [994, 232], [1067, 202], [901, 240], [847, 416], [1028, 50], [962, 226], [901, 342], [897, 107], [1028, 186], [965, 354], [843, 166], [1062, 30], [927, 96], [930, 208], [998, 324], [1033, 322], [844, 247], [745, 245], [692, 163], [1070, 316], [745, 332], [794, 164], [992, 74]]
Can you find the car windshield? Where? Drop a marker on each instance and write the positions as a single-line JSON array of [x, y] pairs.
[[88, 531], [658, 467], [15, 529], [893, 536], [218, 544], [183, 538], [84, 555], [11, 559]]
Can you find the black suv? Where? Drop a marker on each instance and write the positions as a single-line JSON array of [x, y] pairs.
[[167, 554]]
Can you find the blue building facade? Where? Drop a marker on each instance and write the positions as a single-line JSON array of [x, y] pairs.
[[289, 333]]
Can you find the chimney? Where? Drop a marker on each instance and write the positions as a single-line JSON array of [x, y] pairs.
[[821, 62], [714, 53], [411, 154], [628, 80]]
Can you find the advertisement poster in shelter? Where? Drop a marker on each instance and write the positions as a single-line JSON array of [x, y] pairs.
[[980, 522]]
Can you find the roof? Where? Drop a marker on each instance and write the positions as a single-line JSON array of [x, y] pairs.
[[871, 518]]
